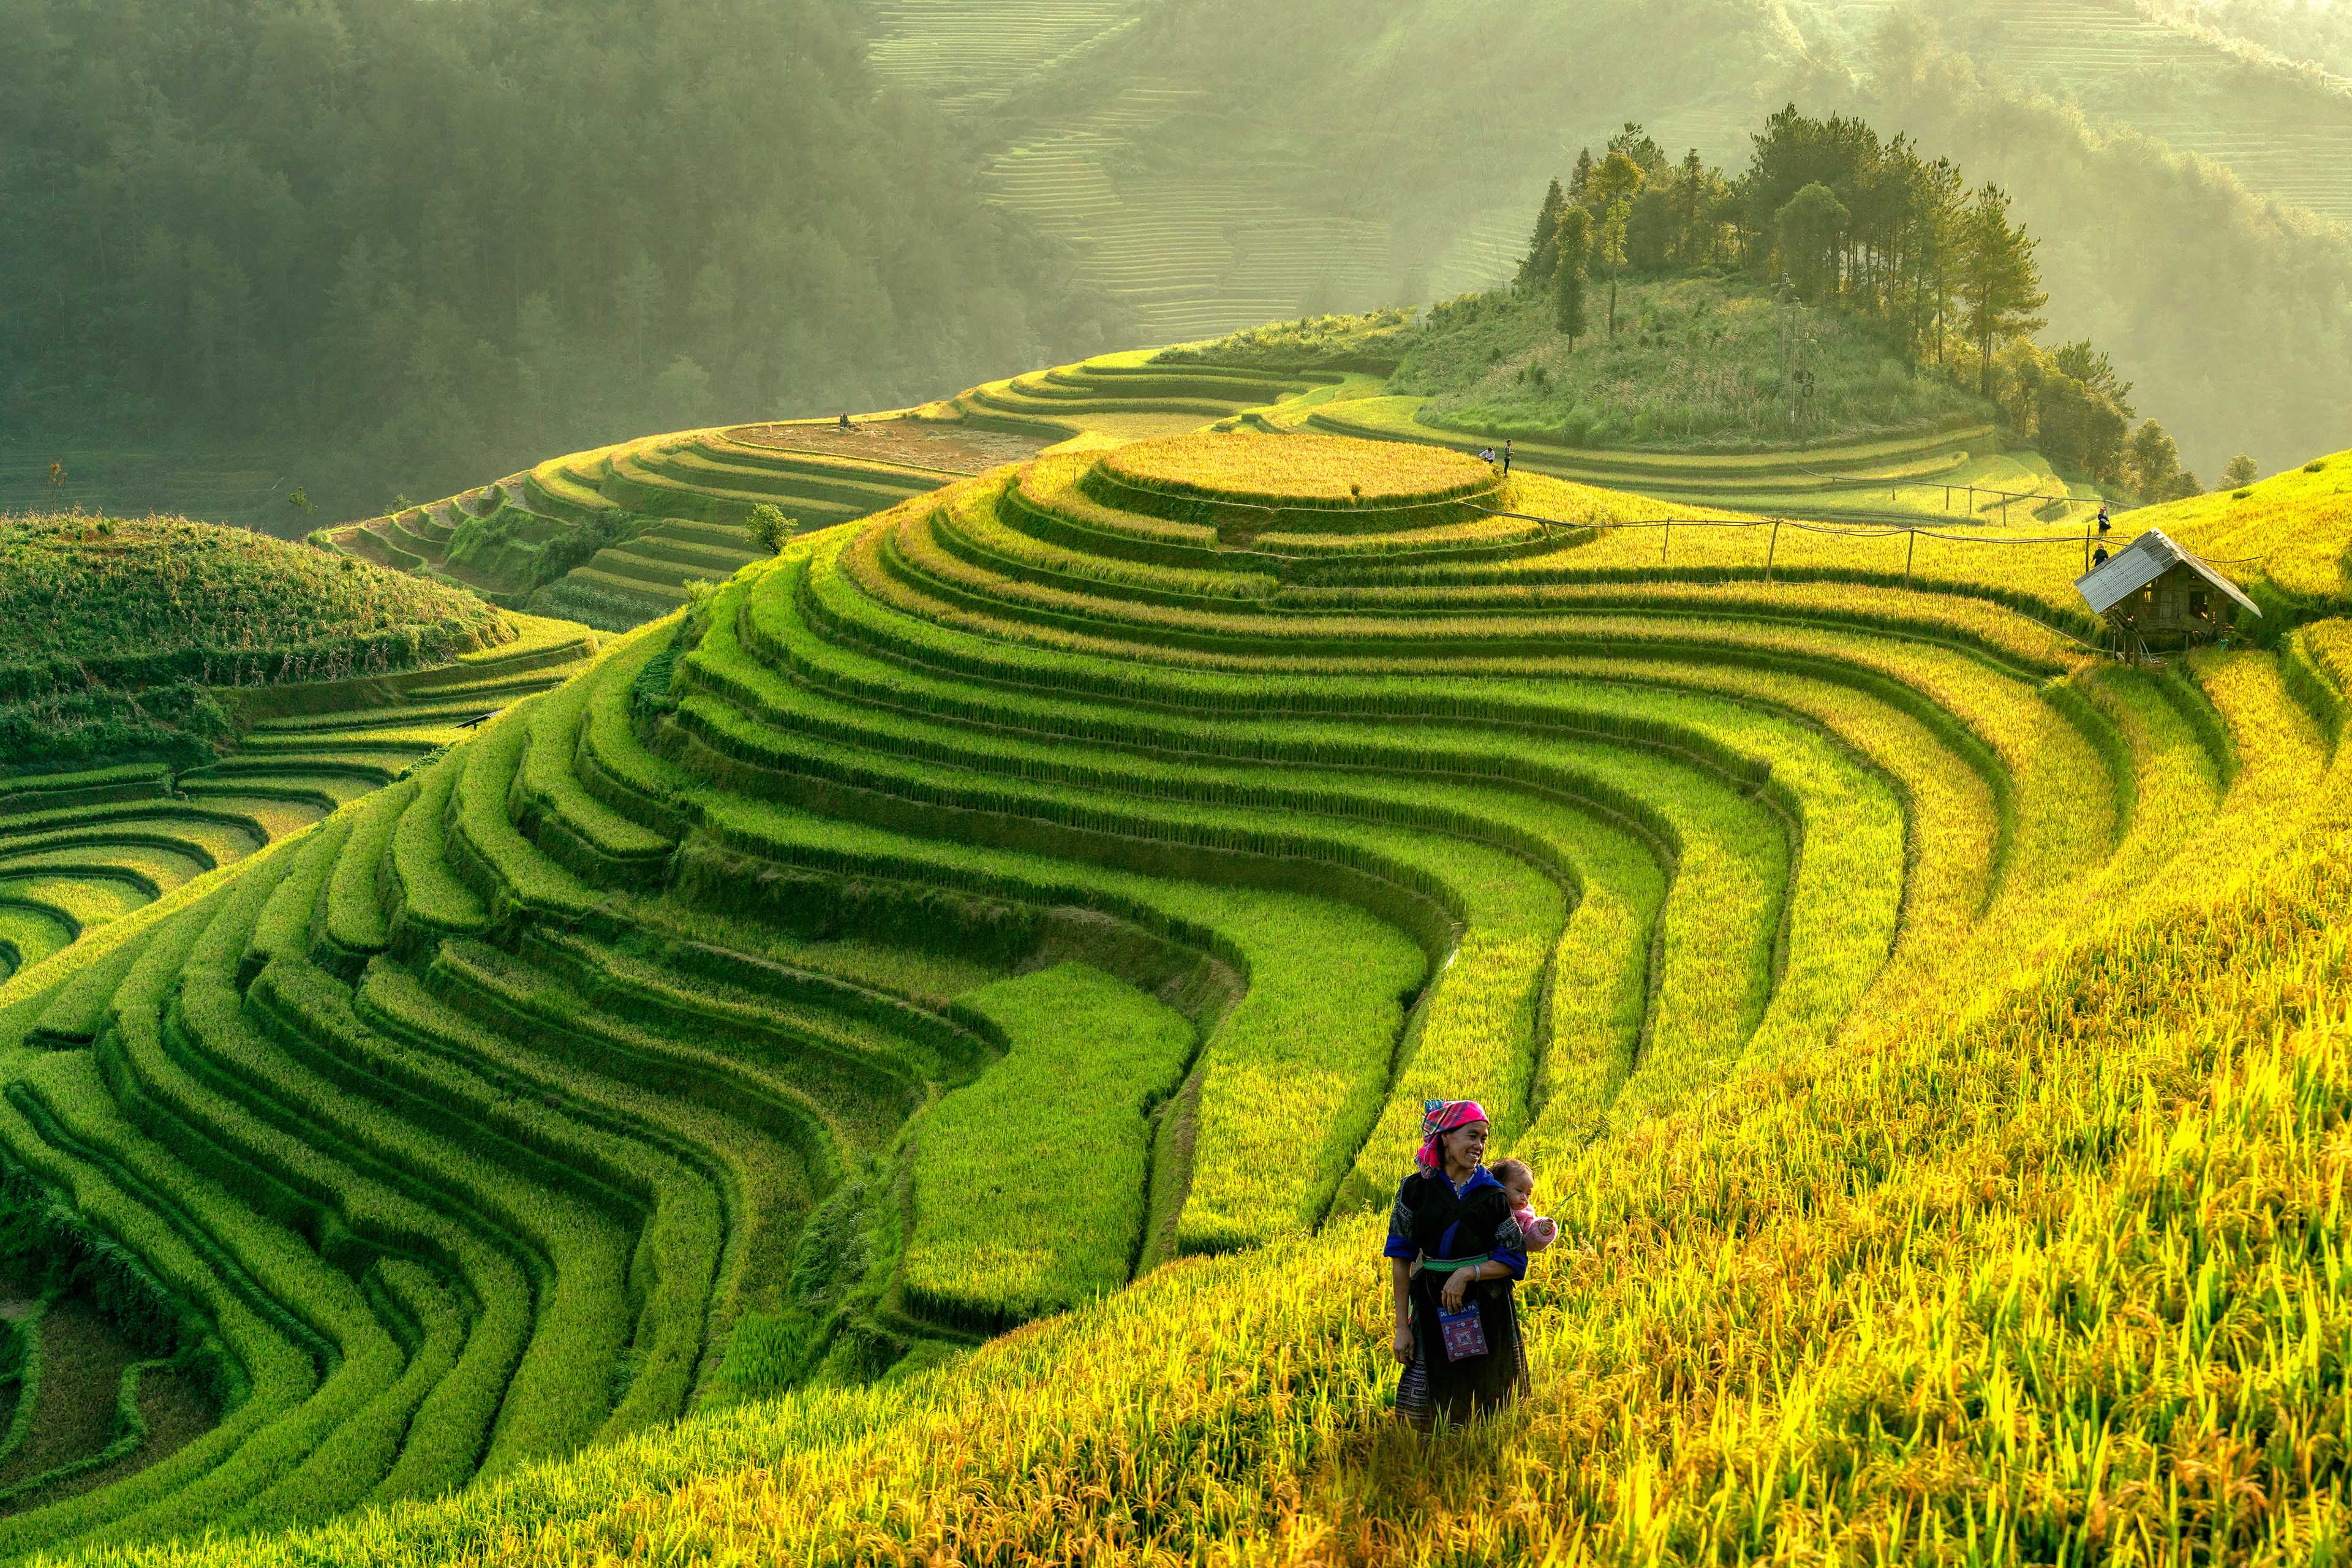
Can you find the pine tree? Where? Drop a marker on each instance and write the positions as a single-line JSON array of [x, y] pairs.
[[1580, 182], [2001, 284], [1575, 244], [2154, 463], [1611, 190], [1690, 196], [1543, 252]]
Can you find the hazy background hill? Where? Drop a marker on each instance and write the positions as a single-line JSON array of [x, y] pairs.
[[360, 246], [1215, 166]]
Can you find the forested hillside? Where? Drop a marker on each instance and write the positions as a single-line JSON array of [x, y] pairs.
[[360, 247]]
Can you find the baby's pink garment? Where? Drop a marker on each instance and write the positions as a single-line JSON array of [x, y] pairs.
[[1536, 1230]]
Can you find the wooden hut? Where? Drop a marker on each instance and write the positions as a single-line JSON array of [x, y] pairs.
[[2154, 593]]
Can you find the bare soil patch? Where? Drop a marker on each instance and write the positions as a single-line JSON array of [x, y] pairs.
[[958, 448], [83, 1358]]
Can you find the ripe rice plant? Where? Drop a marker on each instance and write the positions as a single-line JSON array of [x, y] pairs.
[[1028, 1187]]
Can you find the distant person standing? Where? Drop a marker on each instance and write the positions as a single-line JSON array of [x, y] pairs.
[[1506, 460], [2103, 523]]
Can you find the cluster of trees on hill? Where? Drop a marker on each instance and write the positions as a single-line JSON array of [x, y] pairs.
[[1837, 216], [418, 242]]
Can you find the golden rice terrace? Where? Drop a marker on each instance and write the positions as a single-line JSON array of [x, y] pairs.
[[1053, 897]]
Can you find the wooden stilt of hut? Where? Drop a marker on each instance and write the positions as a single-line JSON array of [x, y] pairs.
[[2153, 593]]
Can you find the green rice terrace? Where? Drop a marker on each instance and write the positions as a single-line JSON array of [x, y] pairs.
[[181, 695], [1045, 904], [620, 535]]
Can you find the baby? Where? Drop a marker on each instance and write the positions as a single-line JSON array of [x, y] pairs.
[[1519, 1186]]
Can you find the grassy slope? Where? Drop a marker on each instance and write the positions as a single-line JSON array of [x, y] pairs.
[[95, 589], [1695, 362], [115, 631]]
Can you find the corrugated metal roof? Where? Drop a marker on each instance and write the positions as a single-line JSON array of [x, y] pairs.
[[2142, 562]]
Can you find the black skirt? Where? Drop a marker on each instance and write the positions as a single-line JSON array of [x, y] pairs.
[[1433, 1385]]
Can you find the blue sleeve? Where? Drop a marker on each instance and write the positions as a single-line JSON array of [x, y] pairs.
[[1401, 1243], [1509, 1249]]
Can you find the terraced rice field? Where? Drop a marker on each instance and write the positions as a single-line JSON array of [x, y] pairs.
[[2292, 141], [79, 851], [1095, 864], [614, 537], [1959, 475], [961, 55], [1195, 253]]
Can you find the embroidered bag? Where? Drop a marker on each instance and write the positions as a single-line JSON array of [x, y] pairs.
[[1464, 1332]]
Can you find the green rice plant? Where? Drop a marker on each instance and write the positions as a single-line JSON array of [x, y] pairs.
[[65, 1094], [22, 1356], [560, 1392], [765, 1181], [421, 892], [928, 977], [1755, 913], [284, 928], [2119, 1091], [557, 813], [355, 927], [149, 1081], [1286, 1069], [1854, 849], [967, 525], [2308, 662], [790, 1103], [679, 1248], [23, 793], [1302, 475], [203, 831], [276, 1374], [612, 764], [1029, 1183], [865, 1057]]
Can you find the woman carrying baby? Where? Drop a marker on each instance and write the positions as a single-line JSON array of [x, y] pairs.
[[1454, 1252]]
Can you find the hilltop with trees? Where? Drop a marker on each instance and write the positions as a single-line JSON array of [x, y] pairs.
[[1931, 287], [2082, 118]]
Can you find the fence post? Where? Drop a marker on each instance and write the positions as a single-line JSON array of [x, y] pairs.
[[1772, 550], [1910, 549], [1665, 538]]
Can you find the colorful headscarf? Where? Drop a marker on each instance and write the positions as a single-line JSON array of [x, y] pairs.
[[1439, 1117]]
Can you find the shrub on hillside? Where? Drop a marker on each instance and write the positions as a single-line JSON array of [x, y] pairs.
[[1374, 342], [770, 528]]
